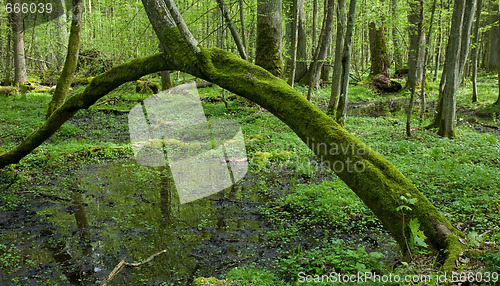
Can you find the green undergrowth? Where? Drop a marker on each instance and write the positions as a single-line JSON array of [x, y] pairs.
[[317, 224]]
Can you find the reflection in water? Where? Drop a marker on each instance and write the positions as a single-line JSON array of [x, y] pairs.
[[128, 212], [169, 200]]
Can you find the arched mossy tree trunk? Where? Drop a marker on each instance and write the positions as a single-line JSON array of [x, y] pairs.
[[268, 44], [375, 180]]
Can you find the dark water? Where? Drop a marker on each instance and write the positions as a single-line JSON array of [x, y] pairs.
[[126, 211]]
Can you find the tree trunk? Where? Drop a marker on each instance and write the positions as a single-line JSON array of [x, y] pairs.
[[268, 50], [234, 32], [498, 56], [242, 22], [64, 82], [62, 36], [301, 67], [8, 58], [456, 55], [395, 40], [378, 51], [339, 53], [415, 55], [294, 38], [346, 65], [440, 33], [322, 48], [475, 50], [426, 59], [314, 24], [20, 76]]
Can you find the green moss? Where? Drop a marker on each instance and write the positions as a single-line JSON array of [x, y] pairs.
[[453, 250], [380, 185], [201, 281]]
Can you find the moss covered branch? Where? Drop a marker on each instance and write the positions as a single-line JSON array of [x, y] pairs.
[[374, 179], [98, 87]]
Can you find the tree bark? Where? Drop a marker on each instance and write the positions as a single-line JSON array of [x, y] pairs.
[[314, 23], [475, 50], [339, 53], [395, 40], [456, 55], [415, 58], [97, 88], [234, 32], [322, 48], [414, 54], [426, 59], [242, 22], [268, 49], [62, 36], [346, 65], [440, 33], [20, 76], [64, 81], [378, 51], [293, 49]]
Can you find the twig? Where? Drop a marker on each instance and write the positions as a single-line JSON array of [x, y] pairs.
[[122, 265]]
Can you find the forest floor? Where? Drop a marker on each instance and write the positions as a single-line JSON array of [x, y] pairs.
[[79, 203]]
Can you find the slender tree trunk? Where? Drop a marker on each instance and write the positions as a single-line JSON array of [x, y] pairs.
[[301, 66], [378, 51], [346, 65], [268, 51], [20, 76], [498, 100], [62, 36], [339, 53], [426, 59], [395, 40], [475, 50], [322, 48], [242, 22], [413, 73], [440, 33], [234, 32], [295, 27], [415, 55], [8, 58], [375, 180], [456, 55], [314, 23], [64, 82]]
